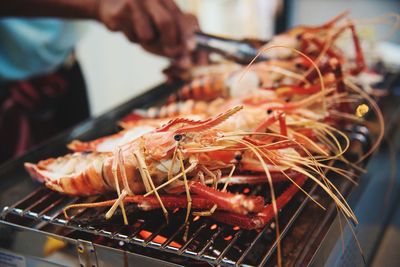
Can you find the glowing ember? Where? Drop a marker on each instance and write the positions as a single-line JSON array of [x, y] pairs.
[[213, 227], [228, 238], [158, 239]]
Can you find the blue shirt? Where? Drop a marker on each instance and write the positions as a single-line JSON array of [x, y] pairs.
[[30, 47]]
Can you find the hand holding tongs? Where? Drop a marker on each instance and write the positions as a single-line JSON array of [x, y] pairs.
[[241, 51]]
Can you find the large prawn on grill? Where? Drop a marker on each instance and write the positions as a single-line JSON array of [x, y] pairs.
[[180, 164]]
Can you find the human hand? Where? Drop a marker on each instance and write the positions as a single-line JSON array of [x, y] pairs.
[[159, 26]]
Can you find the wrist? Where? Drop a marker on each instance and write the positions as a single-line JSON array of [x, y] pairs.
[[86, 9], [95, 10], [81, 9]]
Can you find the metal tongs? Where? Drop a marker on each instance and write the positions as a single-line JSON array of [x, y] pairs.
[[242, 51]]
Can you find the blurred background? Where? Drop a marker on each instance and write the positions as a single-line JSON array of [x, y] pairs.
[[115, 70]]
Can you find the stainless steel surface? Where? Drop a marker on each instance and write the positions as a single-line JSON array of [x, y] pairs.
[[28, 243], [86, 253]]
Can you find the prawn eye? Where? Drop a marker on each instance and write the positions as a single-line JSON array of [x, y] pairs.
[[269, 111], [238, 156], [178, 137]]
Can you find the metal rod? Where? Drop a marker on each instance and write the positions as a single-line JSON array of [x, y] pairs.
[[230, 244], [171, 238], [154, 234], [37, 202], [253, 242], [29, 196], [195, 234], [137, 230], [82, 210], [52, 205], [210, 242]]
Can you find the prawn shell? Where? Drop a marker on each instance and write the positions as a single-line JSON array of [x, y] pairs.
[[85, 182], [111, 142], [79, 146]]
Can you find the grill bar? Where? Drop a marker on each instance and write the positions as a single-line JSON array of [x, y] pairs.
[[30, 196], [51, 206], [210, 242], [153, 235], [38, 202], [249, 248], [137, 231], [228, 247], [169, 240], [57, 213], [183, 248]]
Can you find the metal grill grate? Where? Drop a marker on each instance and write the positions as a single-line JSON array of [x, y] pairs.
[[202, 239]]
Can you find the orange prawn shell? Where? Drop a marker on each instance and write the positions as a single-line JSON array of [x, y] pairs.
[[88, 182], [158, 144], [153, 148]]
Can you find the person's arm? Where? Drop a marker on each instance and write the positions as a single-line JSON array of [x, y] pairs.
[[158, 25], [85, 9]]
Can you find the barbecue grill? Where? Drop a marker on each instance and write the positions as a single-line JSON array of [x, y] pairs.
[[31, 215]]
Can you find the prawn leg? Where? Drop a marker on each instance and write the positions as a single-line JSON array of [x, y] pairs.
[[238, 203], [259, 220]]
